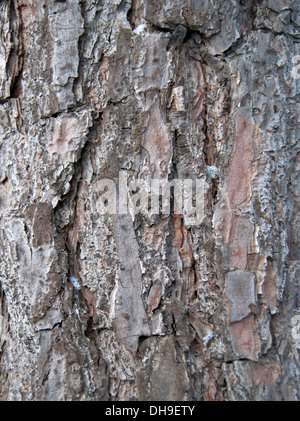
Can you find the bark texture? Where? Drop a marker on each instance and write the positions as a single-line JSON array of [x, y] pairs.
[[103, 307]]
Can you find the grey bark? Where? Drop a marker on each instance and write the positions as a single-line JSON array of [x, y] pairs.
[[116, 307]]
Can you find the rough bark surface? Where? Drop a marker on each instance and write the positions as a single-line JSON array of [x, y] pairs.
[[104, 307]]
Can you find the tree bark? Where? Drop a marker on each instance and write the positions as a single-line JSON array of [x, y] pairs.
[[132, 306]]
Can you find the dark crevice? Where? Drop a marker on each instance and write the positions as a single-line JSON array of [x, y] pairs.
[[131, 15], [161, 29], [4, 314], [50, 328], [81, 41], [4, 100], [89, 331], [62, 112], [71, 109], [143, 339], [131, 18], [208, 147], [135, 14], [235, 46], [45, 378], [74, 250], [69, 201], [119, 101], [173, 169], [15, 60], [16, 86], [189, 34]]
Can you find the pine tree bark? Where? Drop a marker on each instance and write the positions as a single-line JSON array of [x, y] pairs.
[[138, 307]]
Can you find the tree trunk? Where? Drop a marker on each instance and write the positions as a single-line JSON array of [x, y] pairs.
[[107, 302]]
